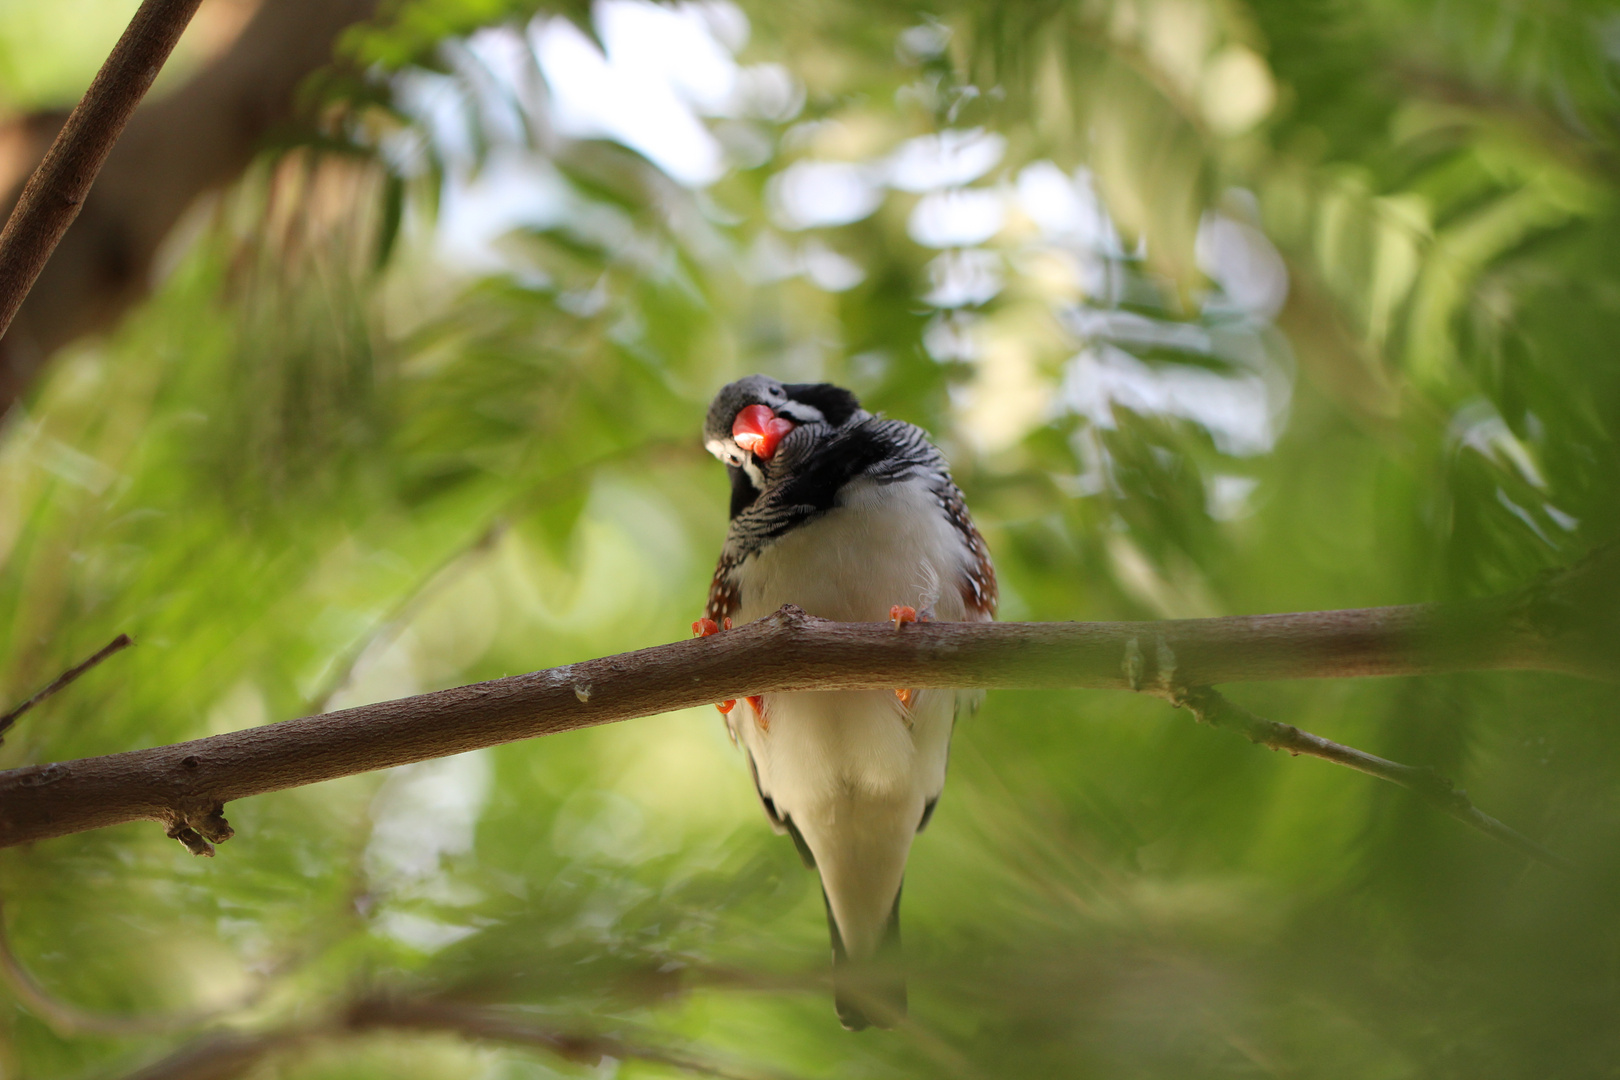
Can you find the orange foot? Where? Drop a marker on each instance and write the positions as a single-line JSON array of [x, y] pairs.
[[757, 702], [706, 627], [902, 614]]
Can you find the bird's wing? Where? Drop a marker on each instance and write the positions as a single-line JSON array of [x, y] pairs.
[[979, 591], [780, 822], [724, 594], [724, 599]]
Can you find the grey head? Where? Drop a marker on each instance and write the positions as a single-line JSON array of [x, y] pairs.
[[761, 427]]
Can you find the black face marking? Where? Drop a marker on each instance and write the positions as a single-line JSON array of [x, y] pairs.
[[835, 403], [743, 491], [814, 488]]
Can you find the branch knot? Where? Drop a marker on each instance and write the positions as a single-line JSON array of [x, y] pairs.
[[198, 832]]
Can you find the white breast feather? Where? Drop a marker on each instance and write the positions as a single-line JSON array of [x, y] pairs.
[[846, 765]]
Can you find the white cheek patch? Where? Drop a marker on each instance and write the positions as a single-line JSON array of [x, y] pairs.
[[755, 476], [727, 451]]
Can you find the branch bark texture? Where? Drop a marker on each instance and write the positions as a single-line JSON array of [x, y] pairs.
[[185, 786], [53, 195]]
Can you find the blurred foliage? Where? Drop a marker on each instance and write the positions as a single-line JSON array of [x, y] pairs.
[[1215, 307], [43, 68]]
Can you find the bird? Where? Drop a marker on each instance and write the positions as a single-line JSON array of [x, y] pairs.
[[852, 517]]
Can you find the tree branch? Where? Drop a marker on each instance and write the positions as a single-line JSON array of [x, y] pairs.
[[196, 139], [398, 617], [1213, 708], [223, 1055], [67, 1019], [122, 641], [487, 1024], [1563, 623], [53, 195]]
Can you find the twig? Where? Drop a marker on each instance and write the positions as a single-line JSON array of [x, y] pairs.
[[1211, 707], [508, 1026], [220, 1056], [53, 195], [404, 609], [67, 1019], [459, 560], [122, 641]]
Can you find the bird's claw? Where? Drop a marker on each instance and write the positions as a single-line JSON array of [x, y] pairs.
[[706, 627], [902, 614], [757, 701]]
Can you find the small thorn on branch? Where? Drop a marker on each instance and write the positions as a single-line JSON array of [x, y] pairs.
[[1210, 706]]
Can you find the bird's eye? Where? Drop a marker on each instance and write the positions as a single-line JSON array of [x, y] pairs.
[[775, 392]]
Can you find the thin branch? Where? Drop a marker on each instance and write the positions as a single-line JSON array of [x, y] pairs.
[[122, 641], [458, 561], [53, 195], [403, 611], [221, 1056], [509, 1026], [67, 1019], [1588, 150], [1213, 708]]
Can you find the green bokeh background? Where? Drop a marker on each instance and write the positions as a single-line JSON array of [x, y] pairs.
[[327, 464]]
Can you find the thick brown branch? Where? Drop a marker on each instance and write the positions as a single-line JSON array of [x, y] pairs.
[[1213, 708], [185, 786], [52, 198]]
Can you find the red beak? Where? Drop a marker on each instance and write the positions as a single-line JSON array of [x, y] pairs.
[[759, 429]]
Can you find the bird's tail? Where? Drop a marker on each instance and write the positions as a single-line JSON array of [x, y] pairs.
[[869, 992]]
